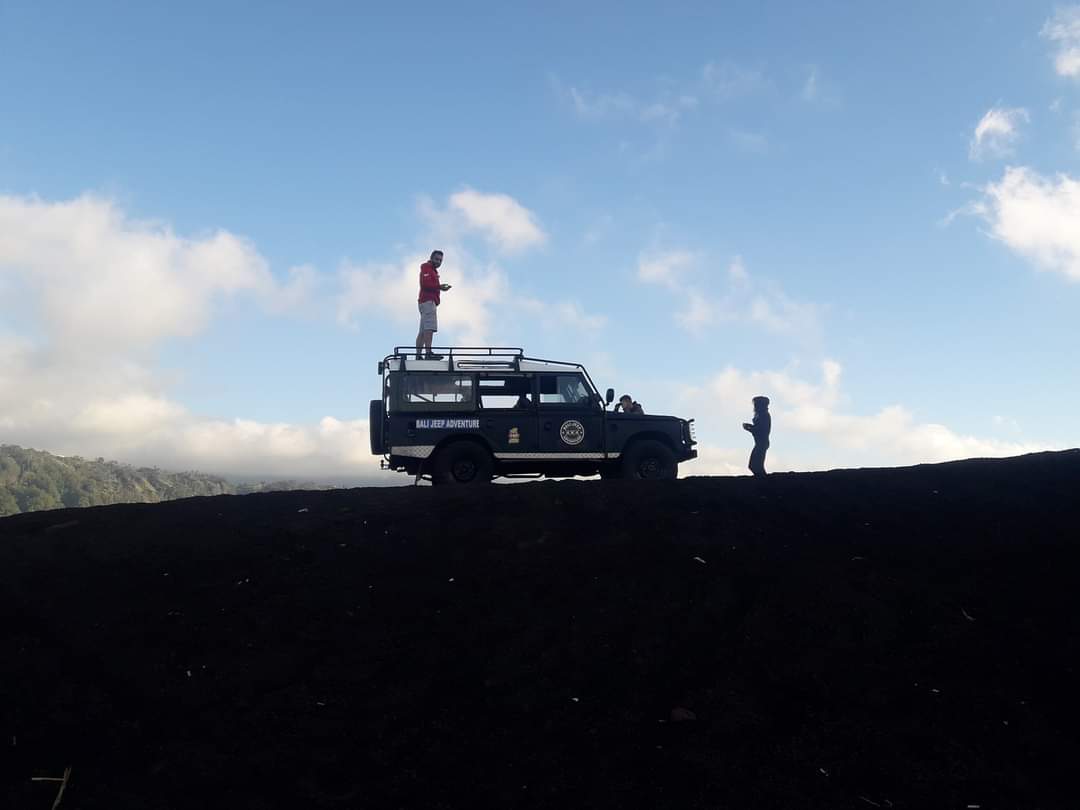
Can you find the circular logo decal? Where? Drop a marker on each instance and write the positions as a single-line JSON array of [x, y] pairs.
[[572, 432]]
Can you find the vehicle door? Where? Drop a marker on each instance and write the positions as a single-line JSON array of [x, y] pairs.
[[507, 409], [571, 417]]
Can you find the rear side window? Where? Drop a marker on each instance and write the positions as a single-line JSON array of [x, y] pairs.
[[425, 392], [505, 393]]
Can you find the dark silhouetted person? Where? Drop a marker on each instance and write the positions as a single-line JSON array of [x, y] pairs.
[[428, 300], [627, 405], [760, 428]]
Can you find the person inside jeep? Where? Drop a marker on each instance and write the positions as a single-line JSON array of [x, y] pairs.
[[627, 405]]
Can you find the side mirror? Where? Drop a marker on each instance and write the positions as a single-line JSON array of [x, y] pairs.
[[610, 395], [380, 368]]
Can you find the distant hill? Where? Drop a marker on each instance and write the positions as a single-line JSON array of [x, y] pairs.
[[32, 480]]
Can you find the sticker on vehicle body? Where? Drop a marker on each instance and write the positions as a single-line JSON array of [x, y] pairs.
[[514, 436], [572, 432], [446, 424]]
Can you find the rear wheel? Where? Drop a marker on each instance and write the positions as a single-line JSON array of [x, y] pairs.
[[462, 463], [649, 460]]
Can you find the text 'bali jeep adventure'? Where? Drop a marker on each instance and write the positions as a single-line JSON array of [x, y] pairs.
[[481, 413]]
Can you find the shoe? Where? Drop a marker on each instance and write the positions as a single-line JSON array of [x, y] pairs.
[[431, 356]]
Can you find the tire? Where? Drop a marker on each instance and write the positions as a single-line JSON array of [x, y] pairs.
[[376, 426], [462, 463], [649, 460]]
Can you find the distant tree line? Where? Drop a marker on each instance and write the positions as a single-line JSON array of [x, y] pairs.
[[31, 480]]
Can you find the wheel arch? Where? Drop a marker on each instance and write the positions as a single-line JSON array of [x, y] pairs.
[[645, 435], [462, 437]]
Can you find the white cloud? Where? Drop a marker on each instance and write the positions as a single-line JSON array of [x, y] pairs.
[[560, 315], [665, 268], [97, 293], [725, 81], [667, 108], [389, 291], [150, 430], [742, 298], [783, 315], [604, 104], [698, 315], [667, 101], [102, 281], [813, 427], [997, 132], [1037, 217], [469, 314], [1064, 30], [504, 221]]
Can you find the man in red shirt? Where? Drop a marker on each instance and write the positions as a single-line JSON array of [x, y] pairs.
[[430, 287]]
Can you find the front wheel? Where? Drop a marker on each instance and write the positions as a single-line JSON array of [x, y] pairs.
[[649, 460], [462, 463]]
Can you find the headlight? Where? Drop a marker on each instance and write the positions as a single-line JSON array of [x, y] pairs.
[[688, 431]]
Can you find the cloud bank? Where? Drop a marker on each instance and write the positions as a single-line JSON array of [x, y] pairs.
[[90, 294]]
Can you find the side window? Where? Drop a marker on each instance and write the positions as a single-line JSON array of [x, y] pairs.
[[505, 393], [563, 389], [417, 392]]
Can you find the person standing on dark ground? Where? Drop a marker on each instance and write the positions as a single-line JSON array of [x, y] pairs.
[[760, 428], [427, 301]]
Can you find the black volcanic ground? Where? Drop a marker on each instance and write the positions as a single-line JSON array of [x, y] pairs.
[[899, 638]]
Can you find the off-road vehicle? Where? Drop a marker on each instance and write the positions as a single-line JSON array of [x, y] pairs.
[[479, 413]]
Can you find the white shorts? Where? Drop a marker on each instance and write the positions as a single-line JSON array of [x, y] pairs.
[[429, 318]]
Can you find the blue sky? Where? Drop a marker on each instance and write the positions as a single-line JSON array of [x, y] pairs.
[[211, 216]]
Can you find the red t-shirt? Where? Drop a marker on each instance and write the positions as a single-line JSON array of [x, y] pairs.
[[429, 283]]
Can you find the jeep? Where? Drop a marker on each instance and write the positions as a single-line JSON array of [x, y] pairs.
[[479, 413]]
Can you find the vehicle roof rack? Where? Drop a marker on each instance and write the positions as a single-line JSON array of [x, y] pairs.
[[471, 358], [464, 351], [474, 358]]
